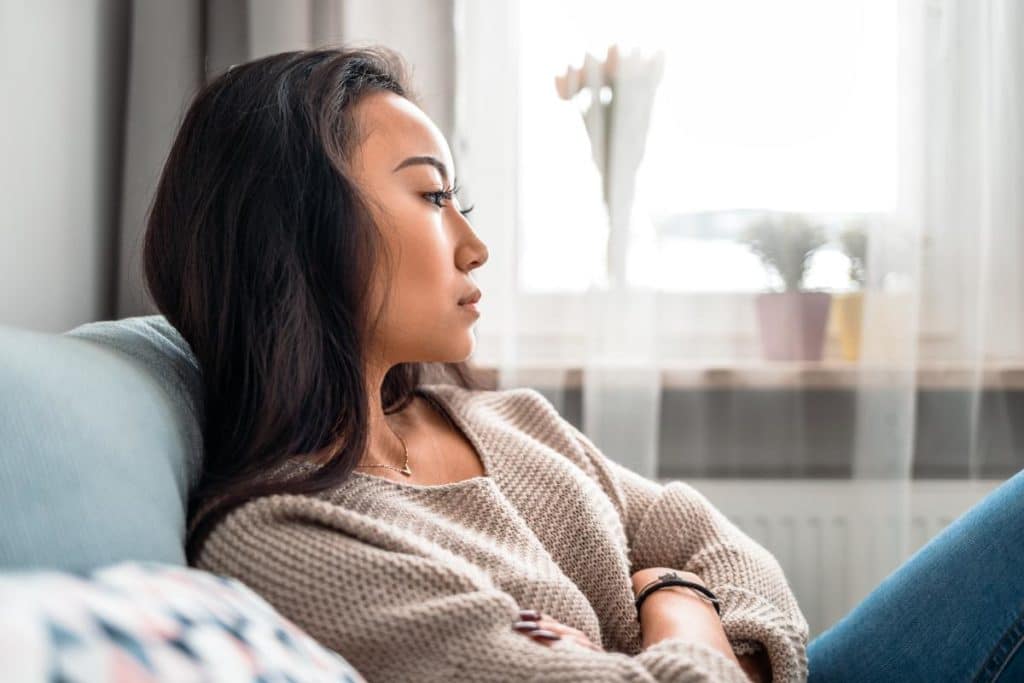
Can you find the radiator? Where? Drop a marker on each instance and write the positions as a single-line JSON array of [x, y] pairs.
[[837, 539]]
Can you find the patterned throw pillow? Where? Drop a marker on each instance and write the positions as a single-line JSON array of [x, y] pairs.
[[146, 621]]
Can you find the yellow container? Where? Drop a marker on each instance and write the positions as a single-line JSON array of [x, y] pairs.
[[848, 309]]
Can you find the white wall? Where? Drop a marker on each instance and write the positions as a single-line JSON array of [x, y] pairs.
[[59, 160]]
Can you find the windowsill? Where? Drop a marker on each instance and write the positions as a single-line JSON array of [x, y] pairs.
[[930, 375], [763, 420]]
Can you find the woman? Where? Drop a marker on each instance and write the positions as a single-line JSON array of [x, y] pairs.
[[307, 240]]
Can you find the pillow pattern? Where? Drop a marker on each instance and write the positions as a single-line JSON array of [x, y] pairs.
[[148, 621]]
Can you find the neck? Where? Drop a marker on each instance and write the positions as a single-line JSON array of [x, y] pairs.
[[382, 446]]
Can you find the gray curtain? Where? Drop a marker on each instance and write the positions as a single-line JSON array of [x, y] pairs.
[[165, 60]]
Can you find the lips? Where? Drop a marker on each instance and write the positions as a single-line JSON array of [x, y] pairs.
[[471, 299]]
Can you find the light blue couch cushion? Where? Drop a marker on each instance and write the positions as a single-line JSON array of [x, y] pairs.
[[101, 438]]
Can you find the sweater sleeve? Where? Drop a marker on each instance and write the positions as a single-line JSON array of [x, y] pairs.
[[674, 525], [406, 616]]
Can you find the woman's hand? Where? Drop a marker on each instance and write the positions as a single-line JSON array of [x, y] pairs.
[[542, 628]]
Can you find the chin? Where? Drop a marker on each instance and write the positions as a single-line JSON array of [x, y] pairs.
[[453, 353], [465, 355], [465, 351]]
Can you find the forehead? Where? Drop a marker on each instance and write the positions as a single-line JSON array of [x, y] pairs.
[[392, 129]]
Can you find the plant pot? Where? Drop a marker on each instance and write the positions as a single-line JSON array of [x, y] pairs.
[[793, 324], [848, 310]]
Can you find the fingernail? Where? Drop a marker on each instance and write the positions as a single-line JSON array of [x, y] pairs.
[[525, 625], [532, 615], [543, 633]]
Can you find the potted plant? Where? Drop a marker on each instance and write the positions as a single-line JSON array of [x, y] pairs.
[[849, 306], [793, 321]]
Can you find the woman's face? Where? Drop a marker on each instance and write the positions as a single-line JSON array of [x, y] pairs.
[[403, 165]]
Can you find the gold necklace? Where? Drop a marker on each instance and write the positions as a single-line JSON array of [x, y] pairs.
[[405, 467]]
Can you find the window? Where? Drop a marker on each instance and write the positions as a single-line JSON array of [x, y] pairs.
[[782, 106]]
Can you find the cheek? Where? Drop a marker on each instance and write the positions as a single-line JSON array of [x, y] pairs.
[[430, 257], [423, 279], [424, 269]]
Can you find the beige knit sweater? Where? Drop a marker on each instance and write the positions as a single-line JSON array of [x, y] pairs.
[[423, 583]]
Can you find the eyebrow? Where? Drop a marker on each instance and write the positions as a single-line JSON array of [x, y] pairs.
[[429, 160]]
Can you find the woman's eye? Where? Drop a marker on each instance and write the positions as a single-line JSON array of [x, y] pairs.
[[439, 198]]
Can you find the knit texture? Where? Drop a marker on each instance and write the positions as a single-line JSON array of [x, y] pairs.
[[413, 582]]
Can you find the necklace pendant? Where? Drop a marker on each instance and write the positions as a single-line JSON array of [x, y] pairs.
[[405, 470]]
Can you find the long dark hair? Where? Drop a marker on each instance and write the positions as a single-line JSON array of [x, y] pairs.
[[259, 250]]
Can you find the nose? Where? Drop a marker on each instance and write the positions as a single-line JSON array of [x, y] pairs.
[[472, 252], [481, 256]]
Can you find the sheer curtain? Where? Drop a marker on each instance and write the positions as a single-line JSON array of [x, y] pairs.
[[623, 292]]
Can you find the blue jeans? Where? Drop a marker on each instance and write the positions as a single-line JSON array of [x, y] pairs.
[[953, 612]]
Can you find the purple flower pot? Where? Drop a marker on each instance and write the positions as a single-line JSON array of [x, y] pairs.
[[793, 324]]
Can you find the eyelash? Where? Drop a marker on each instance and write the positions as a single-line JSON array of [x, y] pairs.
[[447, 195]]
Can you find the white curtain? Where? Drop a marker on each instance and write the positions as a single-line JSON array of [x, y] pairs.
[[672, 380]]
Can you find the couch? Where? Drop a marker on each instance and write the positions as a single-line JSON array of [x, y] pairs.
[[101, 430]]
